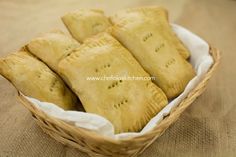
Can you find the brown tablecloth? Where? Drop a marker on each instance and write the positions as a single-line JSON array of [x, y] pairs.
[[207, 127]]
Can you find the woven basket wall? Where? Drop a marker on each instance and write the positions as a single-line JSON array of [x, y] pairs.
[[99, 146]]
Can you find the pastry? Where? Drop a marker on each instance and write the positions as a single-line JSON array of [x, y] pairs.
[[52, 47], [158, 56], [128, 104], [85, 23], [158, 16], [34, 79]]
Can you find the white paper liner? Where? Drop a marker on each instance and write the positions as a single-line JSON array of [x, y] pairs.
[[201, 61]]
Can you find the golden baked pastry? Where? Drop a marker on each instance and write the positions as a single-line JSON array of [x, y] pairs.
[[157, 16], [128, 104], [52, 47], [158, 56], [85, 23], [33, 78]]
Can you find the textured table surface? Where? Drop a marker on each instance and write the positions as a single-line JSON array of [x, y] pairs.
[[207, 127]]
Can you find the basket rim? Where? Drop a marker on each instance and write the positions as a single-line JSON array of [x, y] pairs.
[[215, 53]]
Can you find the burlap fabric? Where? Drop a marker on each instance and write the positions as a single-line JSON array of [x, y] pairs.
[[207, 127]]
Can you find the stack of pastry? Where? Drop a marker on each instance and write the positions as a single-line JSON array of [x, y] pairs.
[[134, 42]]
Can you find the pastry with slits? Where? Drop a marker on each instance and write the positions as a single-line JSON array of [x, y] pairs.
[[52, 47], [154, 51], [158, 16], [34, 79], [84, 23], [128, 104]]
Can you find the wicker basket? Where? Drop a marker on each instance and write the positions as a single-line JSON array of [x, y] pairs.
[[96, 145]]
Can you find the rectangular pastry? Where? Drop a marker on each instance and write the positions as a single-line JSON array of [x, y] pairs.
[[127, 104], [85, 23], [52, 47], [157, 16], [154, 51], [33, 78]]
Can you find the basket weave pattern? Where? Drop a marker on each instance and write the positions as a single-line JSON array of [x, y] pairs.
[[98, 146]]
